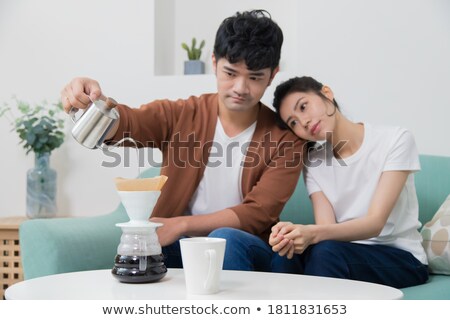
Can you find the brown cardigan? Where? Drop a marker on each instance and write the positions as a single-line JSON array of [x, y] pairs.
[[184, 130]]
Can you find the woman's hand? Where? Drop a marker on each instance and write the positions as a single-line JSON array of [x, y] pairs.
[[302, 236], [280, 244], [287, 238]]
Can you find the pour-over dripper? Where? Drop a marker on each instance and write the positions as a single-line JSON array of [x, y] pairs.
[[139, 256], [139, 204]]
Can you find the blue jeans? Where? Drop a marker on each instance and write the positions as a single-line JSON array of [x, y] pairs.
[[243, 251], [372, 263]]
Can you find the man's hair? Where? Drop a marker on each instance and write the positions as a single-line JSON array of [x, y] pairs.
[[252, 37]]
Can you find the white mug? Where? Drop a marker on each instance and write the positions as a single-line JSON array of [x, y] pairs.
[[202, 263]]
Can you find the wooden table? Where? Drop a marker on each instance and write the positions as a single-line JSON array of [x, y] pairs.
[[10, 262]]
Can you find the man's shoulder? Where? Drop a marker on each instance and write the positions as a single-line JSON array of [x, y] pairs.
[[204, 104], [267, 118], [193, 100], [205, 98]]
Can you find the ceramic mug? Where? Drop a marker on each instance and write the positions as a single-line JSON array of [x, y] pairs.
[[202, 263]]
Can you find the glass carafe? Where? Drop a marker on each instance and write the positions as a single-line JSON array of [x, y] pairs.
[[139, 257]]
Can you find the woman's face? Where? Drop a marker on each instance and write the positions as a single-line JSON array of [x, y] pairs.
[[308, 114]]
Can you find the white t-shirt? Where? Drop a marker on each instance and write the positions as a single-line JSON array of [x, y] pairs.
[[221, 186], [350, 183]]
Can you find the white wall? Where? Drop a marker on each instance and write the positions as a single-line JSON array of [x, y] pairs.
[[205, 17], [387, 62], [43, 44], [164, 37]]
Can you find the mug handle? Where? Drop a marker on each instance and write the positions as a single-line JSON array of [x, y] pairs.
[[212, 255]]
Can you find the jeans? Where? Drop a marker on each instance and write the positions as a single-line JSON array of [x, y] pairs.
[[372, 263], [243, 251]]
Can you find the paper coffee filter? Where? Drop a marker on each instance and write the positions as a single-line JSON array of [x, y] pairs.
[[144, 184]]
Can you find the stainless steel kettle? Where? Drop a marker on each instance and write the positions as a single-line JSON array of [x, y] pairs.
[[94, 124]]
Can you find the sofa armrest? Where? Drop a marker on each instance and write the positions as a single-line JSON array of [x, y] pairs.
[[50, 246]]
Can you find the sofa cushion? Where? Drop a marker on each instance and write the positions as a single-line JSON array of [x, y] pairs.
[[432, 185], [436, 288], [436, 240]]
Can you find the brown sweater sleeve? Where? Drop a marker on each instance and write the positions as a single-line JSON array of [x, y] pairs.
[[151, 124], [267, 196]]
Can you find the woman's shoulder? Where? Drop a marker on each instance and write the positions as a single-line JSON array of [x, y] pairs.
[[390, 139], [385, 129], [387, 132]]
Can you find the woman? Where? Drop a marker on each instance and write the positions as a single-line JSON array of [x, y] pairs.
[[362, 190]]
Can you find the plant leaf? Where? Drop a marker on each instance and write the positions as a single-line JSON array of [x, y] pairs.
[[30, 137], [38, 127]]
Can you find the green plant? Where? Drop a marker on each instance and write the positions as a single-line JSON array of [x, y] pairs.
[[193, 52], [39, 127]]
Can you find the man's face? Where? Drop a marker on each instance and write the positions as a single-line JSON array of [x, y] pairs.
[[240, 89]]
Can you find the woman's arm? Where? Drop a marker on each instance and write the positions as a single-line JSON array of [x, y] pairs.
[[386, 194], [322, 208]]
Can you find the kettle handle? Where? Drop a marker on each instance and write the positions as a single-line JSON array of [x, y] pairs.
[[109, 102], [72, 112]]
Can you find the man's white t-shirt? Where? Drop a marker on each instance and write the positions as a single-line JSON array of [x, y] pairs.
[[221, 185], [350, 183]]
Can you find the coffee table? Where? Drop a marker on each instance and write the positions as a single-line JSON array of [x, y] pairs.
[[100, 285]]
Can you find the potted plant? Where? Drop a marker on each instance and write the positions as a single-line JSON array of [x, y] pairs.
[[194, 65], [40, 130]]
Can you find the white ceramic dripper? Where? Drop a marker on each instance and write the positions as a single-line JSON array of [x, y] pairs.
[[139, 204]]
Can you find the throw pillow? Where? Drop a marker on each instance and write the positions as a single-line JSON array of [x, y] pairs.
[[436, 235]]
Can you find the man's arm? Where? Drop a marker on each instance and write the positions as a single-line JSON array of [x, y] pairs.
[[197, 225], [263, 204]]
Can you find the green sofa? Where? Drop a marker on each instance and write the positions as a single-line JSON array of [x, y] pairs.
[[50, 246]]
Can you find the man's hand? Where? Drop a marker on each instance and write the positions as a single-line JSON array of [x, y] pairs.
[[194, 226], [172, 229], [79, 93]]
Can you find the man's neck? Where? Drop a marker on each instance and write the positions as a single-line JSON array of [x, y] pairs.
[[235, 122]]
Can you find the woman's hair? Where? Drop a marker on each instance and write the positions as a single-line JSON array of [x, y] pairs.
[[297, 84], [250, 36]]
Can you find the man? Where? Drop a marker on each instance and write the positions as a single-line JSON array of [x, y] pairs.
[[230, 168]]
